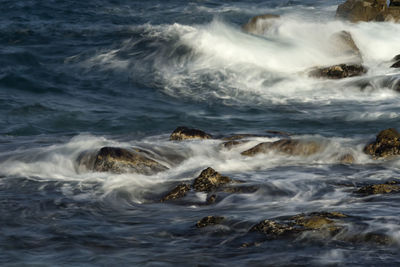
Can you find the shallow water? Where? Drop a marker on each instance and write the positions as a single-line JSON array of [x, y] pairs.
[[77, 76]]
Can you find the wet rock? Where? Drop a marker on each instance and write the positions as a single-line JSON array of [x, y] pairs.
[[278, 133], [211, 199], [379, 189], [386, 144], [241, 136], [396, 58], [347, 159], [209, 180], [338, 71], [120, 160], [176, 193], [363, 10], [259, 24], [396, 65], [184, 133], [343, 44], [209, 220], [231, 144], [393, 12], [285, 146], [316, 221]]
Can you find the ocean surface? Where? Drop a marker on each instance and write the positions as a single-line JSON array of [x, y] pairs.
[[80, 75]]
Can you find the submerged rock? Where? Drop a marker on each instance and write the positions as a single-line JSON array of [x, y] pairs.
[[209, 180], [286, 146], [259, 24], [387, 144], [176, 193], [347, 159], [184, 133], [379, 189], [209, 220], [119, 160], [338, 71], [343, 44], [363, 10]]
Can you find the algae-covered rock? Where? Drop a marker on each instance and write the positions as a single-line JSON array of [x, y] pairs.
[[184, 133], [259, 24], [387, 144], [176, 193], [338, 71], [209, 180], [121, 160], [274, 229], [209, 220], [379, 189], [285, 146]]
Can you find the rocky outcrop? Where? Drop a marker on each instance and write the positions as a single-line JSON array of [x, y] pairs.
[[286, 146], [386, 144], [119, 160], [209, 220], [379, 189], [185, 133], [259, 24], [363, 10], [209, 180], [178, 192], [342, 44], [338, 71]]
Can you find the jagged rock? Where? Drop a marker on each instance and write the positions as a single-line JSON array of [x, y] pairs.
[[274, 229], [176, 193], [387, 144], [338, 71], [343, 44], [286, 146], [209, 180], [209, 220], [347, 159], [259, 24], [363, 10], [379, 189], [119, 160], [184, 133]]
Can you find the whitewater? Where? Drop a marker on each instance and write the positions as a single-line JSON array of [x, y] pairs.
[[76, 77]]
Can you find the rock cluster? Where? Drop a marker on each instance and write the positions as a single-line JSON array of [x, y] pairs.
[[386, 144], [379, 189]]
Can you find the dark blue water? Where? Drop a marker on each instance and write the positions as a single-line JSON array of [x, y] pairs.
[[80, 75]]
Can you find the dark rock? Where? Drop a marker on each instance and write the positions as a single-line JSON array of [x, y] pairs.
[[386, 144], [278, 133], [241, 136], [231, 144], [396, 58], [285, 146], [274, 229], [363, 10], [379, 189], [396, 65], [259, 24], [338, 71], [209, 220], [176, 193], [343, 44], [209, 180], [184, 133], [211, 199], [120, 160]]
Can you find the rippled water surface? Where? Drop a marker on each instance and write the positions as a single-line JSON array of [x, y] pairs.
[[76, 76]]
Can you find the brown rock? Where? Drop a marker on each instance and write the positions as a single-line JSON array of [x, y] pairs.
[[184, 133], [285, 146], [338, 71], [120, 160], [386, 144], [379, 189], [393, 13], [176, 193], [209, 220], [274, 229], [347, 159], [259, 24], [209, 180], [362, 10]]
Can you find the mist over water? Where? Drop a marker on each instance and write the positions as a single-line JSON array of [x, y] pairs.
[[77, 77]]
